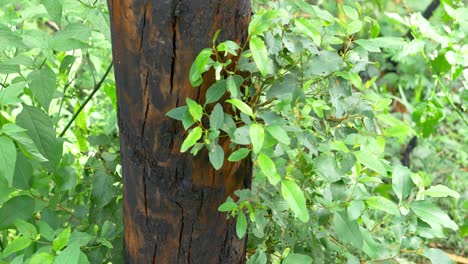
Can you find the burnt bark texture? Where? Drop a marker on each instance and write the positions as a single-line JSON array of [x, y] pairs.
[[171, 198]]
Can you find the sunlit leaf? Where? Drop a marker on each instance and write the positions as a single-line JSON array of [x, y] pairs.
[[241, 225], [294, 196], [401, 181], [216, 156], [199, 67], [191, 139], [441, 191], [383, 204], [243, 107], [267, 166], [195, 109], [239, 154], [7, 159], [257, 137], [431, 214], [260, 55]]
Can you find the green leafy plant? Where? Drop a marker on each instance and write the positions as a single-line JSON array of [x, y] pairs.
[[59, 163], [304, 100], [323, 98]]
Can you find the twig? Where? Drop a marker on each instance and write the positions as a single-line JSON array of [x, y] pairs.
[[90, 96]]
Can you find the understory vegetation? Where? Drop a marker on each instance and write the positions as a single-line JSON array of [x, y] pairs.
[[353, 113]]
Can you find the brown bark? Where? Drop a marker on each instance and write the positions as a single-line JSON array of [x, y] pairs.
[[171, 199]]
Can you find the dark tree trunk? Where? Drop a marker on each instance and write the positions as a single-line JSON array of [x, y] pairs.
[[171, 199]]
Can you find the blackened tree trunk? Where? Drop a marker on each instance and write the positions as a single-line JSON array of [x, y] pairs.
[[171, 199]]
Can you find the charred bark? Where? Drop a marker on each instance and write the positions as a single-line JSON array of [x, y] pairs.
[[170, 198]]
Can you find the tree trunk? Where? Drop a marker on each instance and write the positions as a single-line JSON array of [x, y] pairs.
[[170, 198]]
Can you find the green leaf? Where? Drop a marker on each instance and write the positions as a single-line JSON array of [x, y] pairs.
[[217, 117], [102, 191], [324, 63], [355, 209], [241, 225], [304, 26], [267, 166], [216, 156], [7, 159], [368, 45], [23, 177], [294, 196], [187, 119], [17, 208], [45, 230], [24, 141], [10, 39], [41, 130], [67, 63], [374, 45], [243, 107], [354, 27], [371, 162], [401, 182], [178, 113], [9, 95], [370, 246], [258, 258], [195, 109], [16, 245], [441, 191], [426, 115], [26, 229], [54, 8], [279, 134], [437, 256], [383, 204], [82, 238], [375, 28], [191, 139], [232, 87], [241, 135], [71, 255], [216, 91], [42, 85], [62, 239], [260, 55], [326, 167], [431, 214], [297, 259], [228, 46], [199, 67], [239, 154], [42, 258], [227, 206], [60, 42], [261, 23], [257, 137], [347, 230], [351, 12]]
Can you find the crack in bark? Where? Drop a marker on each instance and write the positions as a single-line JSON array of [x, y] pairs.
[[145, 95], [153, 261], [175, 22], [142, 32], [181, 229], [145, 197], [190, 245]]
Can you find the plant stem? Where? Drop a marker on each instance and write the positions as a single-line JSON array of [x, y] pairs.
[[90, 96]]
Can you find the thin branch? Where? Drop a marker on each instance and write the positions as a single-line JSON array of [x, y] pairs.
[[90, 96]]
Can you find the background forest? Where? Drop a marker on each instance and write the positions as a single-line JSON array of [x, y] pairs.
[[364, 161]]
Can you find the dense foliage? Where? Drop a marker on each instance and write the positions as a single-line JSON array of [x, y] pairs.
[[326, 99], [322, 101], [60, 186]]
